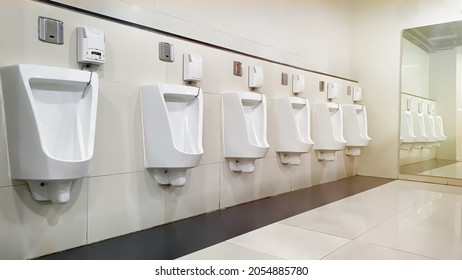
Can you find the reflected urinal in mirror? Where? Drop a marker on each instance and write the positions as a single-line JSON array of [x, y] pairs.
[[430, 129], [439, 128], [420, 131], [50, 117], [407, 137], [430, 76]]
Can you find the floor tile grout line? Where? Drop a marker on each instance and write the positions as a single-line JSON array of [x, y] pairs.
[[241, 246], [335, 250], [379, 224], [355, 238], [400, 250], [316, 231], [304, 229], [389, 218], [397, 213], [248, 248]]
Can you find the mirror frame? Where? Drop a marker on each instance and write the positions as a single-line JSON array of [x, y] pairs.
[[457, 43]]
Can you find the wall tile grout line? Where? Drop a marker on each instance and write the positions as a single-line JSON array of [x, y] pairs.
[[177, 36]]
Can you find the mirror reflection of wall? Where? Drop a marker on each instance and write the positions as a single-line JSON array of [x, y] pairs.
[[431, 74]]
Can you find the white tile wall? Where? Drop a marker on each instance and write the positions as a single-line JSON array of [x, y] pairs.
[[119, 139], [127, 49], [123, 203], [299, 175], [237, 188], [378, 163], [200, 194], [30, 229], [273, 180], [119, 196], [197, 12], [139, 11], [211, 138]]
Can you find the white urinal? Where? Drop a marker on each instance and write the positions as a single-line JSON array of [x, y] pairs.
[[50, 119], [407, 136], [439, 128], [430, 130], [172, 126], [244, 129], [293, 124], [328, 130], [355, 128], [420, 132]]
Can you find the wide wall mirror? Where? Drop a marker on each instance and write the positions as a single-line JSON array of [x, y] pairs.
[[431, 101]]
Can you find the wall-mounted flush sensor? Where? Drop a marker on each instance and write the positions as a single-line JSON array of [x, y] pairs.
[[192, 67], [284, 79], [50, 30], [237, 68], [332, 90], [91, 46], [420, 107], [430, 108], [298, 83], [255, 76], [322, 85], [409, 104], [166, 52], [357, 94]]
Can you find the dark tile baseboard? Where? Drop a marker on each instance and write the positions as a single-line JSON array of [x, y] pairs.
[[173, 240]]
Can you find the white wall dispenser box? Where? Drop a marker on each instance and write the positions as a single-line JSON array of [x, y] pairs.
[[332, 90], [357, 94], [91, 47], [255, 76], [192, 67], [298, 83]]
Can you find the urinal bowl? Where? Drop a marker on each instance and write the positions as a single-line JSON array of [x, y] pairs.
[[424, 138], [418, 126], [293, 125], [50, 118], [439, 130], [172, 117], [244, 129], [327, 130], [407, 137], [355, 128], [432, 140]]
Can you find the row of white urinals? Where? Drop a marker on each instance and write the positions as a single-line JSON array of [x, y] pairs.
[[420, 130], [172, 124], [51, 113]]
